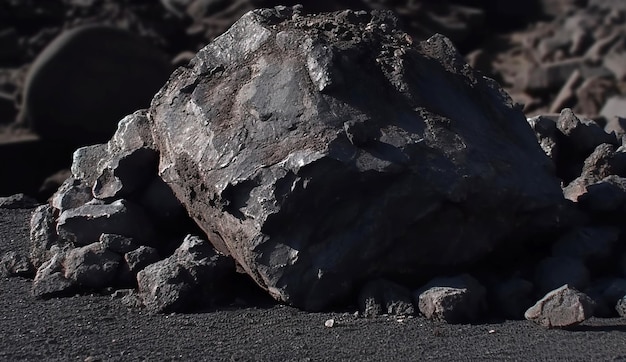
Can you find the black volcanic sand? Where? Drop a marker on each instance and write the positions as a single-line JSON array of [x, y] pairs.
[[98, 327]]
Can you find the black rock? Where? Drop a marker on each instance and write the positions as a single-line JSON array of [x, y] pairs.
[[381, 296], [84, 225], [333, 141]]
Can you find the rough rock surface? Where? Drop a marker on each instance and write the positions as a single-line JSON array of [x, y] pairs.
[[313, 172], [91, 266], [50, 280], [562, 307], [172, 284], [458, 299]]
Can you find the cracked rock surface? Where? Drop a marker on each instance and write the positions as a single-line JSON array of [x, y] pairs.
[[320, 151]]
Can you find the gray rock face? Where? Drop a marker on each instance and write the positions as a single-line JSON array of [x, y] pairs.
[[185, 279], [562, 307], [164, 287], [585, 135], [91, 266], [72, 193], [42, 234], [553, 272], [15, 264], [603, 162], [454, 300], [118, 243], [131, 160], [140, 258], [333, 141]]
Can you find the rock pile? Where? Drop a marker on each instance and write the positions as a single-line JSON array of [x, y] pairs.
[[114, 224], [575, 60], [323, 180]]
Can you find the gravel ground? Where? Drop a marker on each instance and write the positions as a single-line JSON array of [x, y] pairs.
[[99, 328]]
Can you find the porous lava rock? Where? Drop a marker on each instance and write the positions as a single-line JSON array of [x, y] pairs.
[[323, 150]]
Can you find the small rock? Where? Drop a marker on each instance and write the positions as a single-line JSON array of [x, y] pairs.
[[118, 243], [455, 300], [592, 94], [561, 308], [131, 160], [616, 63], [85, 162], [190, 277], [140, 258], [584, 134], [552, 75], [50, 280], [14, 264], [329, 323], [72, 194], [91, 266], [614, 107], [165, 287], [385, 297]]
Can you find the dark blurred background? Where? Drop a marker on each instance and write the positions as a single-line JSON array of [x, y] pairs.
[[71, 69]]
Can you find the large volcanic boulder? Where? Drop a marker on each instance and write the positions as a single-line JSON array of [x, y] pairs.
[[322, 151]]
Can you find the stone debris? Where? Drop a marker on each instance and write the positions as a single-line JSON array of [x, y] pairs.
[[91, 266], [561, 308], [50, 280]]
